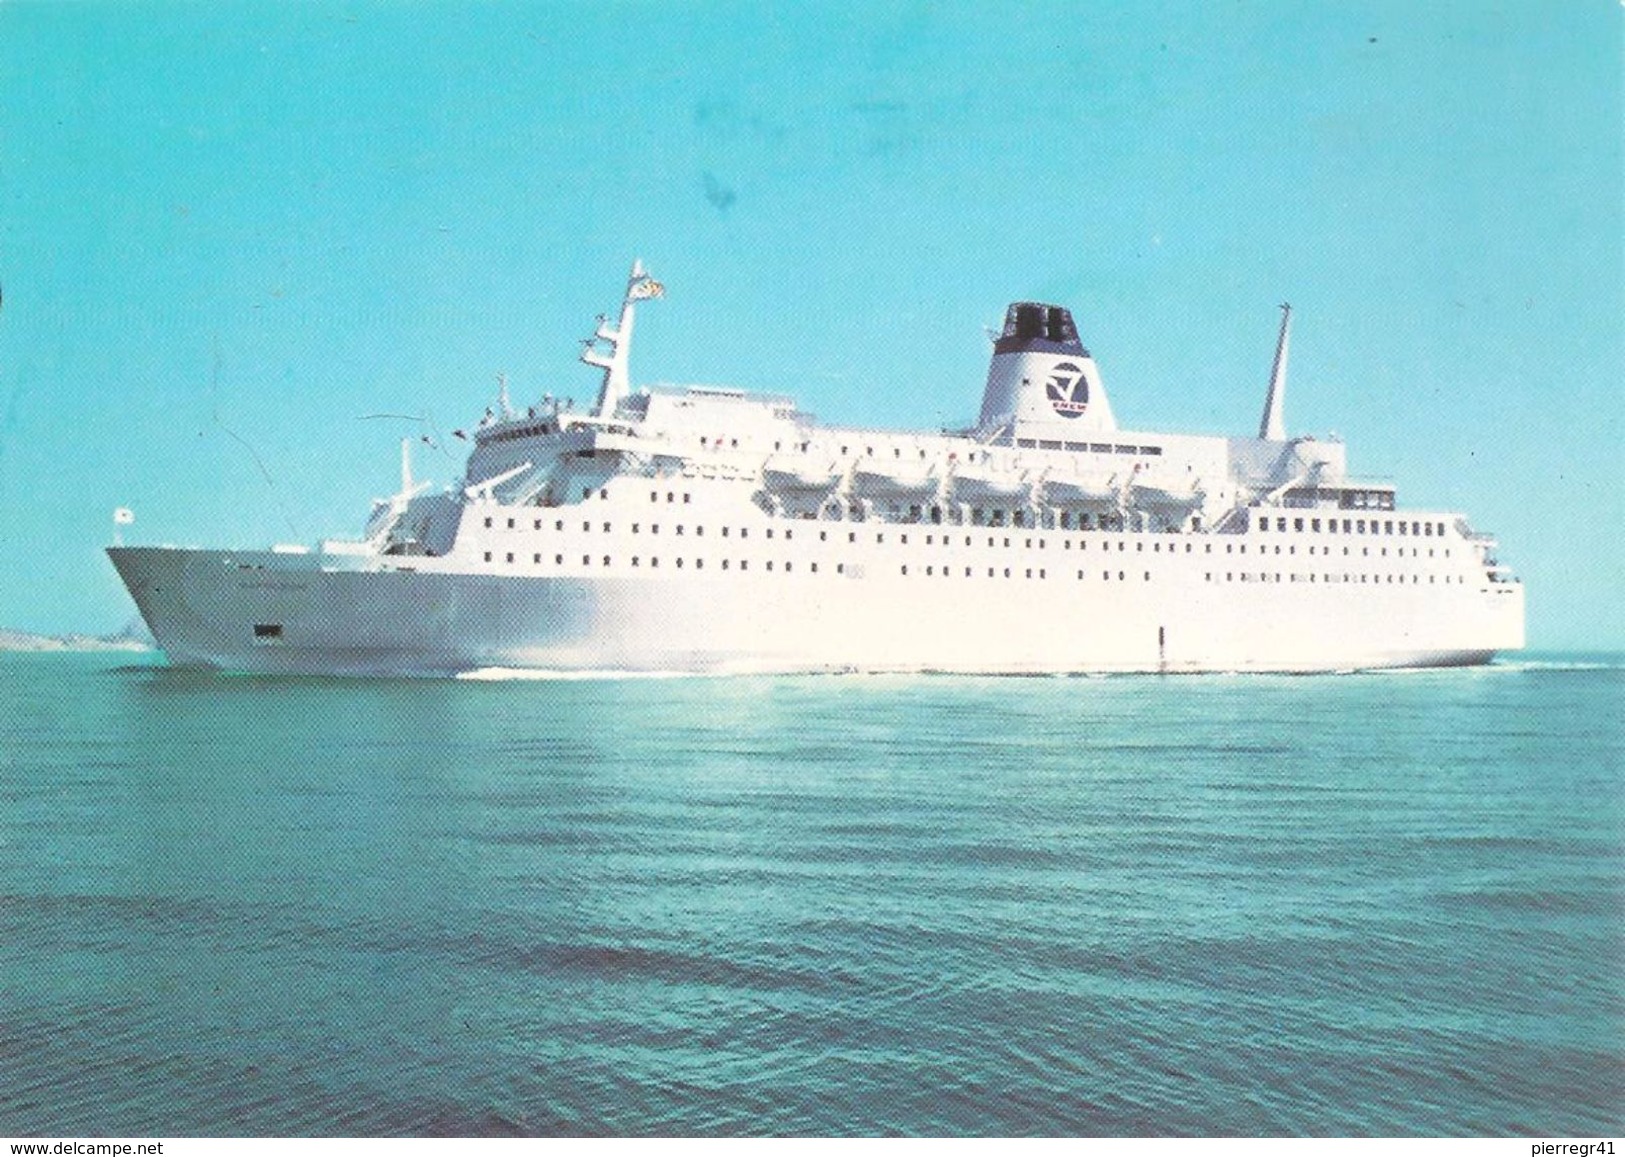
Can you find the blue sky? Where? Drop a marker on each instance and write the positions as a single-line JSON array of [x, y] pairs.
[[252, 224]]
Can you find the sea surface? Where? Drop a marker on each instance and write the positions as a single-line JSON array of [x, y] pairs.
[[1359, 904]]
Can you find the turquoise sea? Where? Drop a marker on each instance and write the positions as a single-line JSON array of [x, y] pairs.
[[1360, 904]]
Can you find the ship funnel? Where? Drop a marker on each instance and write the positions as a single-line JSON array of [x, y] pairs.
[[1041, 381], [1272, 426]]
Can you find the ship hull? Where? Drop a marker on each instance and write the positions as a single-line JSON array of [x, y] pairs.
[[316, 614]]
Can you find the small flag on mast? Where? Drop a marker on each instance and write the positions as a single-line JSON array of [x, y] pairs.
[[644, 288]]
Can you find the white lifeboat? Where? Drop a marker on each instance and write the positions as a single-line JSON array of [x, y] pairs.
[[876, 478], [1149, 490], [985, 483], [1082, 491], [794, 475]]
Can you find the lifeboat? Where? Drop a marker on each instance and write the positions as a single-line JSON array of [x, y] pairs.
[[799, 476], [1082, 491], [1179, 495], [985, 484], [873, 478]]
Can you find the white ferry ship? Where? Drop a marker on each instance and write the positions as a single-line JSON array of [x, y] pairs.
[[709, 530]]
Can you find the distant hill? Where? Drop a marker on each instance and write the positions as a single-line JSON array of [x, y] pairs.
[[132, 637]]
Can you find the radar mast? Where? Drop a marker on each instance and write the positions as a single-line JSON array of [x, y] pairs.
[[1271, 425], [639, 287]]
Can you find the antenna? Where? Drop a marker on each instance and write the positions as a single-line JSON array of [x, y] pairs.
[[270, 483], [1271, 425]]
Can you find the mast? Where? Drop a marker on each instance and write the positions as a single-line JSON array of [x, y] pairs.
[[1271, 425], [639, 287]]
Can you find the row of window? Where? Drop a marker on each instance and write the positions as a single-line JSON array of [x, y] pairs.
[[1089, 447], [992, 572], [654, 562], [1157, 544], [520, 432], [1416, 528], [1067, 520], [1230, 576], [932, 570], [1346, 577]]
